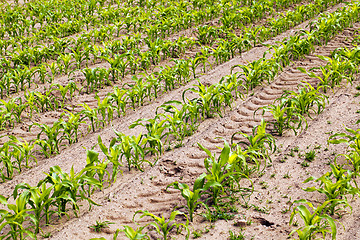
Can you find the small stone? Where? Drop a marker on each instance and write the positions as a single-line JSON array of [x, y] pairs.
[[240, 223]]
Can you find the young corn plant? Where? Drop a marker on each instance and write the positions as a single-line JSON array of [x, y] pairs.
[[92, 115], [192, 197], [210, 99], [335, 191], [132, 234], [258, 143], [307, 100], [163, 226], [13, 108], [71, 127], [69, 89], [113, 154], [118, 98], [105, 110], [221, 174], [70, 188], [7, 167], [138, 91], [45, 101], [54, 137], [40, 200], [132, 148], [175, 118], [256, 72], [156, 134], [25, 151], [286, 116], [314, 223], [16, 217], [352, 156], [195, 62]]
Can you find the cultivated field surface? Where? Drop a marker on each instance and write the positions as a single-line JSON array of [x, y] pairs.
[[186, 119]]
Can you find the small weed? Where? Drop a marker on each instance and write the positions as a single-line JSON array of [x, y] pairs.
[[329, 161], [305, 164], [287, 175], [207, 228], [261, 209], [218, 213], [249, 222], [100, 225], [46, 235], [272, 175], [285, 210], [234, 236], [197, 233], [292, 153], [264, 185], [296, 149], [232, 208], [295, 223]]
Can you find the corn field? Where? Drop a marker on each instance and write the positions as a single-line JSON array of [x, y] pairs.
[[143, 119]]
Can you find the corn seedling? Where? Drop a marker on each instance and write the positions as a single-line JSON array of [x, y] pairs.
[[285, 117], [113, 154], [132, 234], [132, 148], [223, 172], [163, 226], [54, 137], [258, 142], [15, 218], [316, 222], [192, 197]]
